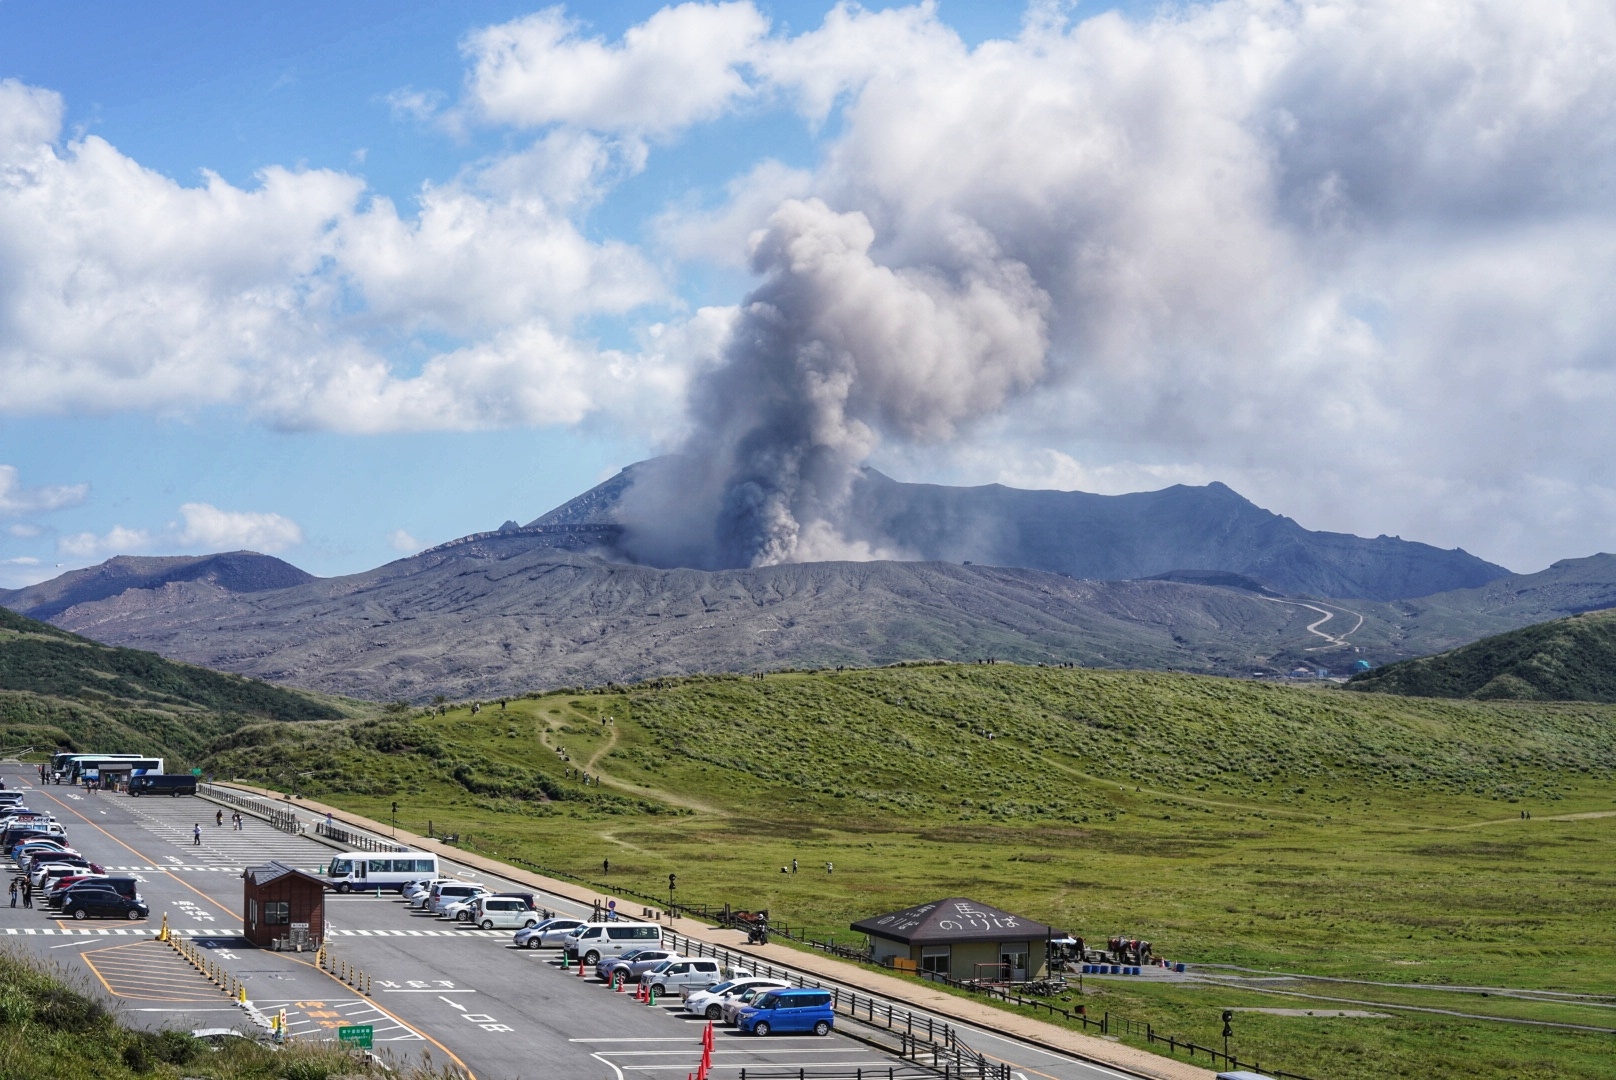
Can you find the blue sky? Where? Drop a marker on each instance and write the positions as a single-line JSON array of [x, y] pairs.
[[340, 281]]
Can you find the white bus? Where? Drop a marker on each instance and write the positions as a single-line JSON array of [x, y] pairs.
[[379, 869]]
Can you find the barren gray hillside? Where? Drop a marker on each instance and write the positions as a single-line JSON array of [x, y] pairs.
[[1109, 537], [505, 613], [226, 573]]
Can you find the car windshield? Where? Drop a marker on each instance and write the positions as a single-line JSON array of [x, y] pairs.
[[719, 988], [631, 954], [661, 967]]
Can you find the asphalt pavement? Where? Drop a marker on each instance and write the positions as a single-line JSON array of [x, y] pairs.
[[438, 991]]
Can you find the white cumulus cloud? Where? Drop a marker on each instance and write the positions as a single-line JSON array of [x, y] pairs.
[[677, 67], [209, 527], [399, 540], [202, 527], [122, 289], [17, 499]]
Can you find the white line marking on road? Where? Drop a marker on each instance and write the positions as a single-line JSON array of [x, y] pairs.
[[452, 1003]]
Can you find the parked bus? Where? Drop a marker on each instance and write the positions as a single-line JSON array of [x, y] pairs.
[[70, 768], [380, 870], [175, 784]]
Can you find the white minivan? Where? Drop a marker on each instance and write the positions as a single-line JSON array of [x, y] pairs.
[[593, 941], [504, 912]]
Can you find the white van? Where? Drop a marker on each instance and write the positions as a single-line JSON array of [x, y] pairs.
[[371, 870], [596, 940], [505, 912]]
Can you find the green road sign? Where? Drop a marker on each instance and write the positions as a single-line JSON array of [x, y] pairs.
[[359, 1034], [196, 772]]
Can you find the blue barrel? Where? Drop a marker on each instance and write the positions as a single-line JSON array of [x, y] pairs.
[[1116, 969], [1178, 967], [1135, 971]]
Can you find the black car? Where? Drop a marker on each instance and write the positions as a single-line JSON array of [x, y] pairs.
[[123, 886], [83, 903]]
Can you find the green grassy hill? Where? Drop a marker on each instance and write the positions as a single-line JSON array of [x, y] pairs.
[[1342, 835], [59, 689], [1570, 659]]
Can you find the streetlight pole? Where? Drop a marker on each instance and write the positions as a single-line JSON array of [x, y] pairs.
[[395, 821], [672, 881]]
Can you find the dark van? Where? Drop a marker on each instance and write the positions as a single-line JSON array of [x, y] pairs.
[[788, 1010], [175, 784]]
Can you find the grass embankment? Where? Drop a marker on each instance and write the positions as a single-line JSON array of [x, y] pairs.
[[61, 690], [1317, 831], [1570, 659], [52, 1030]]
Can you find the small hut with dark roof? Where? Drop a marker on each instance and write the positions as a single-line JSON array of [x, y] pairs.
[[282, 903], [962, 939]]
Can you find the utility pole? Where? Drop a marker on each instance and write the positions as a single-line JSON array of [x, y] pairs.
[[672, 881], [395, 821]]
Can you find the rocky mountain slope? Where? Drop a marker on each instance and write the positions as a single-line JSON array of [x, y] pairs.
[[228, 572], [1571, 659], [1109, 537], [508, 612]]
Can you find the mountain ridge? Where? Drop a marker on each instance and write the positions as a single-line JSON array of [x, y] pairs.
[[1126, 537]]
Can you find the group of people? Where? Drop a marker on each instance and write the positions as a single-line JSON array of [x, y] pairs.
[[236, 823], [21, 886]]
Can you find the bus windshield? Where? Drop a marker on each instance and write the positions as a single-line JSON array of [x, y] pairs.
[[340, 868]]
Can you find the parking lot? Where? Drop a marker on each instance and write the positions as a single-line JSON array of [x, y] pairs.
[[479, 1002]]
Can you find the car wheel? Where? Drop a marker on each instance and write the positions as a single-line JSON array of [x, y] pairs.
[[761, 1028], [134, 913], [529, 924], [81, 914], [534, 943], [822, 1028], [488, 924], [462, 916], [344, 887], [714, 1012], [592, 958]]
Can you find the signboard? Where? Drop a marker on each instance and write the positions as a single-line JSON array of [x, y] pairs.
[[300, 926], [196, 772], [359, 1034]]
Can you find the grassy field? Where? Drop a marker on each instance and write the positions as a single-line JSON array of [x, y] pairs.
[[1355, 836]]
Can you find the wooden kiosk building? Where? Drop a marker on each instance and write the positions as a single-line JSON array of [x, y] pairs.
[[282, 907], [962, 939]]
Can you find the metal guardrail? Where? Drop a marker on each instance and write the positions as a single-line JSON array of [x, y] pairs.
[[923, 1041], [355, 841], [891, 1072], [281, 818]]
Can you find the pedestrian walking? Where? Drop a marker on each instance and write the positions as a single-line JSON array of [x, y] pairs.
[[218, 819], [27, 894], [793, 866], [196, 835], [13, 892]]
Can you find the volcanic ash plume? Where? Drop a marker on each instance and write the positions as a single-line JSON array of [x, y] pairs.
[[830, 353]]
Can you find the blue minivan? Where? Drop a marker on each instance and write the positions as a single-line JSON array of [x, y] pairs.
[[788, 1010]]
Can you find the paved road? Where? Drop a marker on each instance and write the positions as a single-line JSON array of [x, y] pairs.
[[478, 1001]]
